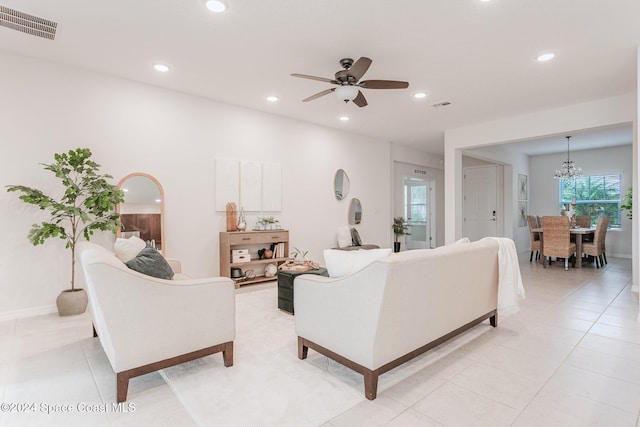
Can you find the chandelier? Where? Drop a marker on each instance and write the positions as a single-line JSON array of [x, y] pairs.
[[569, 168]]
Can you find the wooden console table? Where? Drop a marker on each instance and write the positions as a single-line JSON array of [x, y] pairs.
[[252, 240]]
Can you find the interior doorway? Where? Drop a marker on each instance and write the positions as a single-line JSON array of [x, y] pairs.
[[415, 200], [480, 203]]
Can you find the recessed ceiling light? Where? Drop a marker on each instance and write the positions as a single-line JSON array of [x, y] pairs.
[[162, 68], [420, 95], [125, 189], [272, 98], [344, 118], [158, 200], [546, 57], [216, 6]]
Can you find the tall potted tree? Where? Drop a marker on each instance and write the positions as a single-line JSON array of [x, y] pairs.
[[88, 204], [400, 228]]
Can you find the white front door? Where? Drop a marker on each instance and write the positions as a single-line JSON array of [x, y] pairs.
[[480, 204], [418, 211], [414, 200]]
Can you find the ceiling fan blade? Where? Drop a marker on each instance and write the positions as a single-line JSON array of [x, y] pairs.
[[383, 84], [318, 95], [321, 79], [359, 67], [360, 100]]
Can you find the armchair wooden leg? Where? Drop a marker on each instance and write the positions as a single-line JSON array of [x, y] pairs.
[[303, 350], [227, 354], [95, 334], [122, 386]]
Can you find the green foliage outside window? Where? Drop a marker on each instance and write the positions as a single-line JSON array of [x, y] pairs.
[[596, 195], [627, 205]]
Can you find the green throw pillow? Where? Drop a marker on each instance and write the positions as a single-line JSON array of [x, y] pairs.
[[151, 262]]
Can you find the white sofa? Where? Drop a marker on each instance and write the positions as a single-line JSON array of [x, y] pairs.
[[397, 307], [146, 324]]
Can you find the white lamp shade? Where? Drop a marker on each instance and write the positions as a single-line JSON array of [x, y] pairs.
[[347, 93]]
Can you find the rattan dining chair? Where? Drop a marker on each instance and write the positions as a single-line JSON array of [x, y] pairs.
[[595, 248], [602, 245], [583, 221], [557, 241], [532, 221]]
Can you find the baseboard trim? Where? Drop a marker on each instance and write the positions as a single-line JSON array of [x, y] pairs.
[[624, 256], [28, 312]]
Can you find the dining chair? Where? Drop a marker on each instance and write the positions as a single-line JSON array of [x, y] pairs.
[[532, 221], [604, 237], [595, 248], [583, 221], [557, 241]]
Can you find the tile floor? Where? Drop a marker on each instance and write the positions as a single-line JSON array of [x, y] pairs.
[[569, 357]]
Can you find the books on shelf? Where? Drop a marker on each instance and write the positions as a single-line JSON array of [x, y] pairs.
[[279, 250]]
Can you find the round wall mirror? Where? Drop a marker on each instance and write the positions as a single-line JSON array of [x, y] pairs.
[[355, 212], [142, 212], [341, 184]]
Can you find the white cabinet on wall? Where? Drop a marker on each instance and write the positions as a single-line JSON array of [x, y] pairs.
[[252, 185]]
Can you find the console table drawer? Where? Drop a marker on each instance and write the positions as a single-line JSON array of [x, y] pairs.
[[251, 238]]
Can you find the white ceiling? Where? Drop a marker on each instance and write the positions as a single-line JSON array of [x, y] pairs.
[[480, 56]]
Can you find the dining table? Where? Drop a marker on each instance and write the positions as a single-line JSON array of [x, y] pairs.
[[578, 232]]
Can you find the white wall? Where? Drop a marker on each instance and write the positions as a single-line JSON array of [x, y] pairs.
[[174, 137], [544, 188]]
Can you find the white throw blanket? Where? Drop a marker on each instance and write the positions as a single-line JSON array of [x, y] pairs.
[[510, 287]]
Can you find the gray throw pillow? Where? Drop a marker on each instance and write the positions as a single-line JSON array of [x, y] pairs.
[[355, 238], [151, 262]]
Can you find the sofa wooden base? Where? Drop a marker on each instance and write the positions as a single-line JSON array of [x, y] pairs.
[[122, 378], [371, 376]]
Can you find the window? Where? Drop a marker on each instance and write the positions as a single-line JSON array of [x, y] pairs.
[[596, 195], [415, 191]]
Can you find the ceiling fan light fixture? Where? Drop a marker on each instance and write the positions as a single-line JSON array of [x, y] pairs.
[[346, 92], [344, 118], [215, 6], [420, 95]]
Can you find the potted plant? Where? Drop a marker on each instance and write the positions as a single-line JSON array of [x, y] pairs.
[[87, 205], [400, 228], [267, 223], [299, 253]]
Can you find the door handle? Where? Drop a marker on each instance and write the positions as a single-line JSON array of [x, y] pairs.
[[494, 216]]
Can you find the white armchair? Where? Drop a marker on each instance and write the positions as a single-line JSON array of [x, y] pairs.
[[145, 324]]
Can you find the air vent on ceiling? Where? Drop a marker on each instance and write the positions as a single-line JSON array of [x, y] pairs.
[[29, 24]]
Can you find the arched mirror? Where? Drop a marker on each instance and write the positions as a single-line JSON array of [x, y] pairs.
[[341, 184], [355, 212], [142, 212]]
